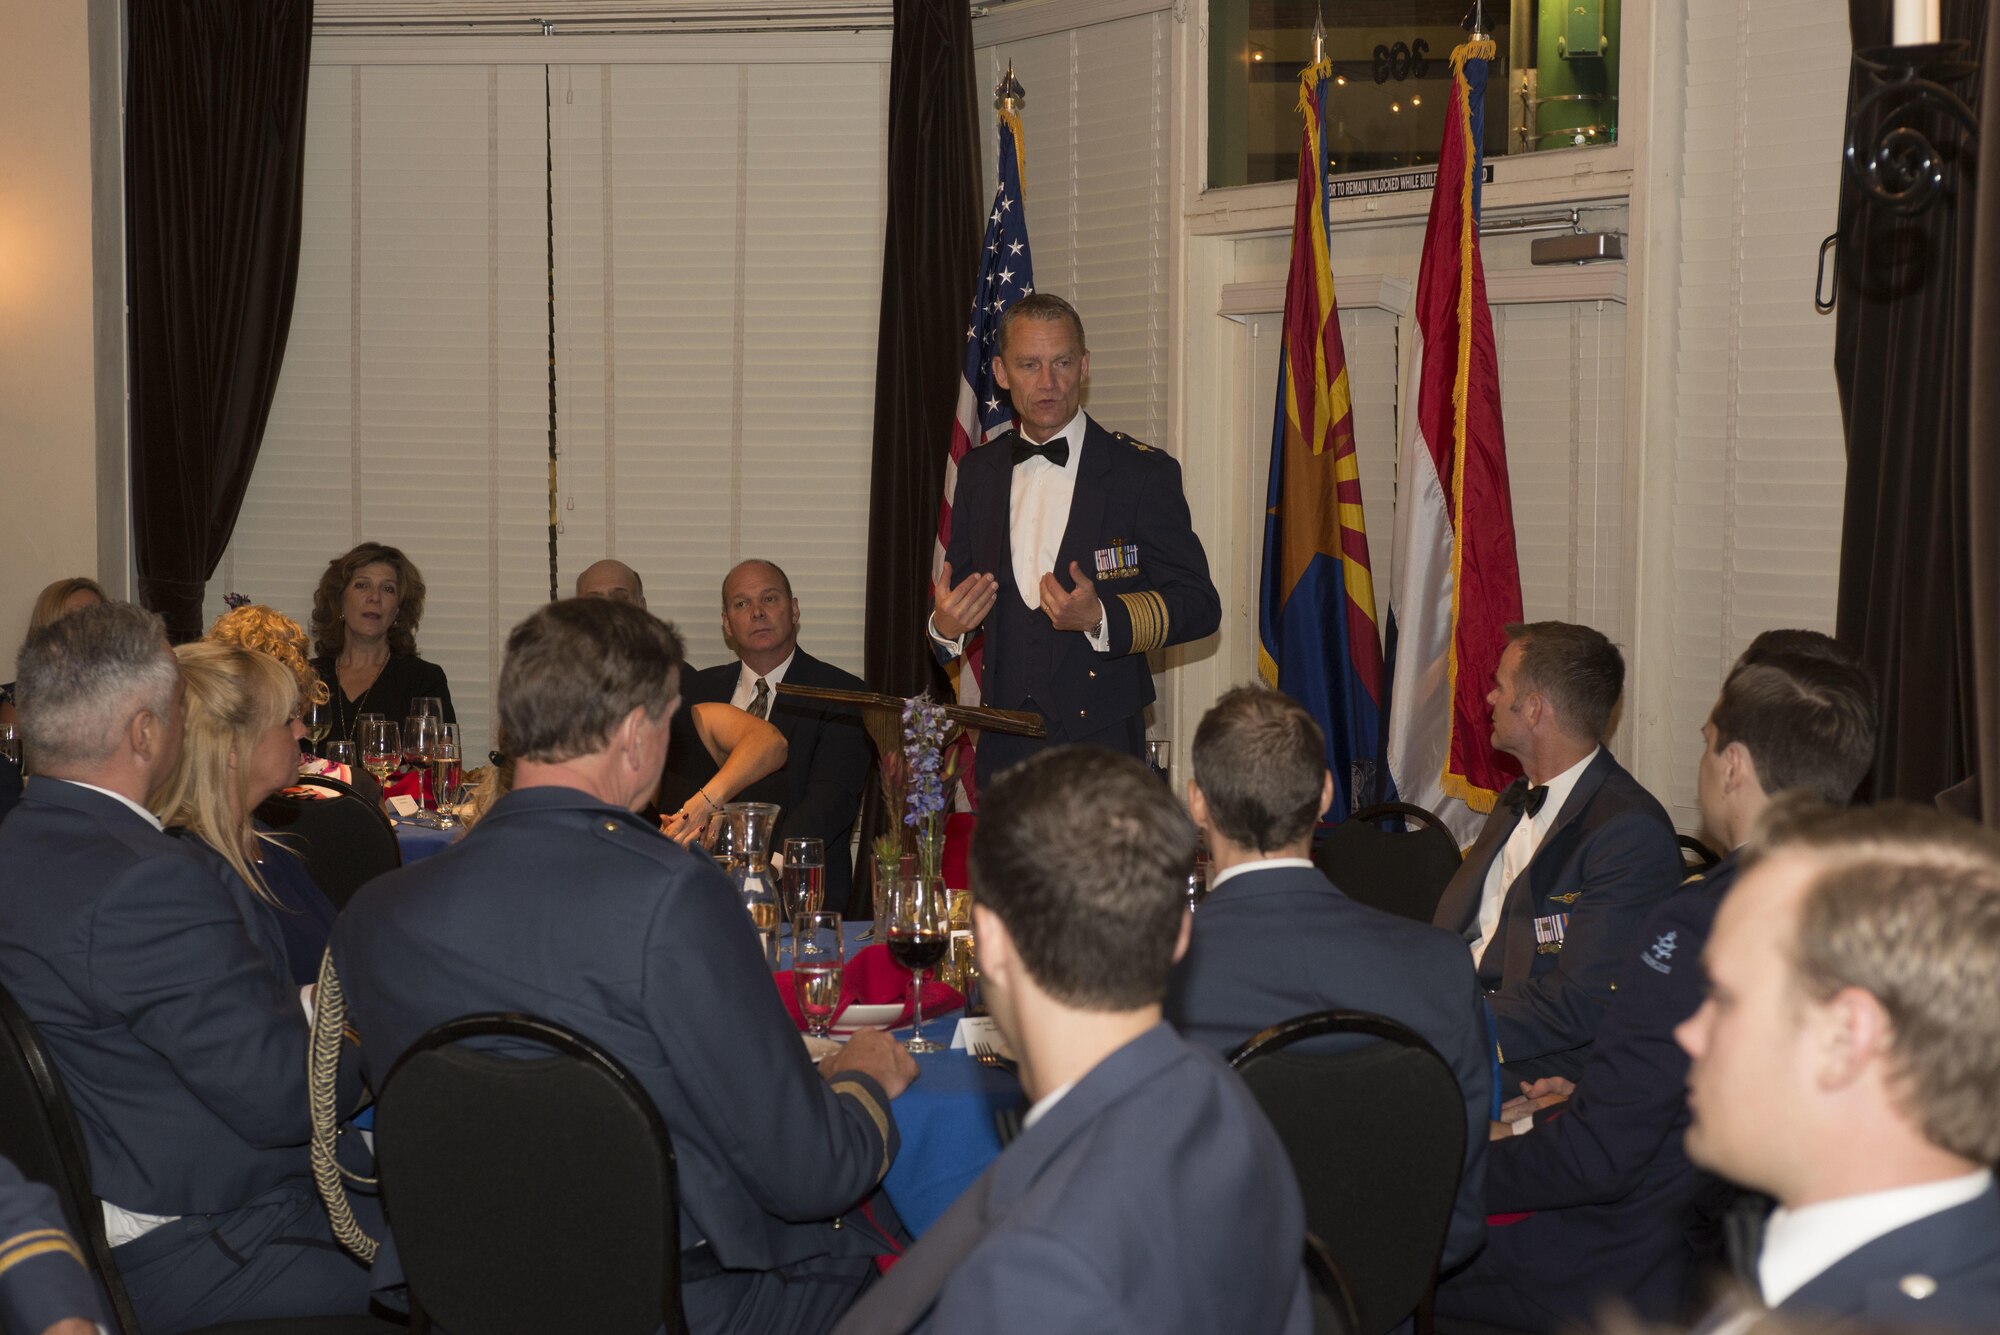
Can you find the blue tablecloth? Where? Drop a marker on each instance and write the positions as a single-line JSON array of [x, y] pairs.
[[946, 1120], [420, 841]]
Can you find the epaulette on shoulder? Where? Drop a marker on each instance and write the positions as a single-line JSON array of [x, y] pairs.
[[1133, 441]]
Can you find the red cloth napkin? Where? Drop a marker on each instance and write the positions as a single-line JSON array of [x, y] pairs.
[[409, 783], [871, 978], [958, 829]]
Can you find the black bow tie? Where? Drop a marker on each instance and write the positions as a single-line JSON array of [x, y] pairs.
[[1531, 801], [1055, 450]]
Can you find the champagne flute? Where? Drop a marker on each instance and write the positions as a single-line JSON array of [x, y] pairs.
[[317, 715], [816, 969], [804, 879], [419, 737], [444, 751], [381, 748], [919, 935]]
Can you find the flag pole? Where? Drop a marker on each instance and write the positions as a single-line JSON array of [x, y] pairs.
[[1008, 95]]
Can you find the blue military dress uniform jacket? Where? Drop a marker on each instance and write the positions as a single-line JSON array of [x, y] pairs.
[[1571, 920], [1130, 534], [1153, 1198], [564, 907], [1941, 1273], [1275, 943], [1606, 1176], [43, 1278]]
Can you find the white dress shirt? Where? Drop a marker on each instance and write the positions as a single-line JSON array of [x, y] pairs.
[[746, 683], [1216, 879], [138, 810], [1038, 501], [1044, 1103], [1800, 1245], [1519, 851]]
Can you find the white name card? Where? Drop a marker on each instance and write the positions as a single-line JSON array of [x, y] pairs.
[[978, 1029], [404, 805]]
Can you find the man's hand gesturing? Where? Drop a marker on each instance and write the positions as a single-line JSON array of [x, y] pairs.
[[1075, 608], [956, 609]]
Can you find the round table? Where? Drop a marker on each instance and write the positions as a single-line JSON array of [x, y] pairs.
[[421, 841]]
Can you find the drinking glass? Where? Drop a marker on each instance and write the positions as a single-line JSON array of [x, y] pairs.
[[381, 748], [750, 824], [816, 969], [422, 706], [919, 935], [340, 751], [413, 739], [318, 719], [442, 751], [1159, 758], [10, 741], [804, 879]]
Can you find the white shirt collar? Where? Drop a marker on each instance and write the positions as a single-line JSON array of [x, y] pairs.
[[1255, 864], [150, 818], [746, 678], [1560, 788], [1800, 1245], [1044, 1103]]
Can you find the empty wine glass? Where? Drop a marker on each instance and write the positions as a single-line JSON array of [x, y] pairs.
[[816, 968], [919, 935], [340, 751]]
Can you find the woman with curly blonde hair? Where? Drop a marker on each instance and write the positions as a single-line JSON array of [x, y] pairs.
[[240, 744], [364, 627], [269, 631]]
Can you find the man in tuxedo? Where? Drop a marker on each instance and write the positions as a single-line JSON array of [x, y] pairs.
[[818, 791], [1604, 1172], [1071, 551], [1276, 939], [1571, 860], [1146, 1192], [563, 902], [1846, 1062], [161, 992]]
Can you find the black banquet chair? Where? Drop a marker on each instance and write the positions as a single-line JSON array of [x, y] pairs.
[[344, 840], [529, 1184], [1332, 1294], [1696, 856], [39, 1132], [1401, 870], [1374, 1123]]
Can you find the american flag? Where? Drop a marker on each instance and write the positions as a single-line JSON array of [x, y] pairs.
[[1006, 274]]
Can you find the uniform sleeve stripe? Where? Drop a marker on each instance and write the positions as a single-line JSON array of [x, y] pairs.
[[1148, 611], [876, 1114], [41, 1242]]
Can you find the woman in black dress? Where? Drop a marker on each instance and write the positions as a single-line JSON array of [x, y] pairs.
[[364, 627]]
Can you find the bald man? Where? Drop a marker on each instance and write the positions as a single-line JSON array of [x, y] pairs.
[[611, 579]]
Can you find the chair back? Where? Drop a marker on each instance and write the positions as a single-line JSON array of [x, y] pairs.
[[38, 1131], [1332, 1294], [344, 840], [1374, 1123], [1696, 856], [529, 1183], [1391, 856]]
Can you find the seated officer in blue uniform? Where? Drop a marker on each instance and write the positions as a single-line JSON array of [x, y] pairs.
[[1846, 1063], [1570, 861], [1071, 551], [160, 988], [44, 1284], [1275, 938], [1146, 1192], [564, 903], [1605, 1173]]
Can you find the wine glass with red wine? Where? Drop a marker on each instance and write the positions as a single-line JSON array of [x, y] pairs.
[[919, 936]]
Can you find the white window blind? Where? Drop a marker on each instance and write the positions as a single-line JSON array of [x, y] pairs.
[[1096, 125], [411, 409], [718, 276], [1759, 463]]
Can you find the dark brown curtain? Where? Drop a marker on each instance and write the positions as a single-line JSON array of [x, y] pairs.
[[1902, 359], [214, 145], [1983, 465], [929, 263]]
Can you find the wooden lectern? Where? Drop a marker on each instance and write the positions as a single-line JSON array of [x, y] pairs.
[[882, 715]]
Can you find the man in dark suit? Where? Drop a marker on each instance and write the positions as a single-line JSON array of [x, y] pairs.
[[818, 791], [1846, 1062], [1604, 1173], [160, 989], [1071, 550], [564, 903], [1275, 938], [1147, 1191], [44, 1284], [1571, 860]]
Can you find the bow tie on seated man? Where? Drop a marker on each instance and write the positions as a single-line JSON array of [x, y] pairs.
[[1846, 1062], [1071, 552], [1551, 895]]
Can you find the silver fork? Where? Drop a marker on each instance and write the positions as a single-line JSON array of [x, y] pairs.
[[986, 1055]]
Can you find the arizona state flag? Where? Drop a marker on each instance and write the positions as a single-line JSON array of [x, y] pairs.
[[1457, 580], [1316, 605]]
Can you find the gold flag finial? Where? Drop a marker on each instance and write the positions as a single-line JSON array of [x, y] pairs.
[[1008, 95]]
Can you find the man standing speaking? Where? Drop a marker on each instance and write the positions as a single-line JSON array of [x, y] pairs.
[[1071, 548]]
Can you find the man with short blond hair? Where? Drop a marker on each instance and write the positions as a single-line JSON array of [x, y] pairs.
[[1846, 1062]]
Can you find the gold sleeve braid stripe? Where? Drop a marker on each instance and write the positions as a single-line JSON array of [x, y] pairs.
[[1148, 611], [876, 1114], [36, 1242]]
